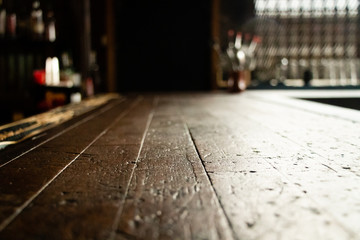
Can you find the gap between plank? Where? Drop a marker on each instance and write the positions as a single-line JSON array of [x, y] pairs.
[[122, 201], [18, 210], [63, 131], [209, 179]]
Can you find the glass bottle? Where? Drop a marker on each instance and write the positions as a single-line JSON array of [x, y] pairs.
[[50, 31], [2, 19], [95, 71], [22, 21], [36, 21], [236, 82], [11, 21]]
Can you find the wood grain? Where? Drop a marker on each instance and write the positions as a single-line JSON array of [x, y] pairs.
[[281, 179], [190, 166], [24, 178], [170, 196]]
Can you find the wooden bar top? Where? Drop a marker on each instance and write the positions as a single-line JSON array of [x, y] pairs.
[[211, 165]]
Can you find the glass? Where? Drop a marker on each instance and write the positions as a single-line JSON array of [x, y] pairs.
[[322, 33]]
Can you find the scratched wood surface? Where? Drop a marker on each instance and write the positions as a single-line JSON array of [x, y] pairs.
[[188, 166]]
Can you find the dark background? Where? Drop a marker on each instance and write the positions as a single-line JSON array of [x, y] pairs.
[[166, 45], [163, 45]]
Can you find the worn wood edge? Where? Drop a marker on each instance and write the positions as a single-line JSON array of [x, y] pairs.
[[15, 151], [21, 130]]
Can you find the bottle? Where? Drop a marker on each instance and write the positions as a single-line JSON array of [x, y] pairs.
[[11, 21], [22, 21], [238, 40], [67, 66], [11, 25], [251, 64], [241, 50], [48, 71], [50, 31], [36, 21], [254, 42], [231, 50], [93, 80], [236, 82], [67, 73], [52, 71], [2, 19]]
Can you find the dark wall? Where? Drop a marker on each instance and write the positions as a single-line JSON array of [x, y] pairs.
[[163, 45], [235, 13]]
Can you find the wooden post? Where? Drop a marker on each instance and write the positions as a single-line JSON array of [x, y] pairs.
[[85, 38], [215, 39], [82, 34], [111, 59]]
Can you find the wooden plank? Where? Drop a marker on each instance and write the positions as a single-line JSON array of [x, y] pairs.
[[263, 179], [330, 136], [25, 178], [170, 196], [82, 202], [196, 166], [50, 129], [21, 130], [333, 142], [166, 191]]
